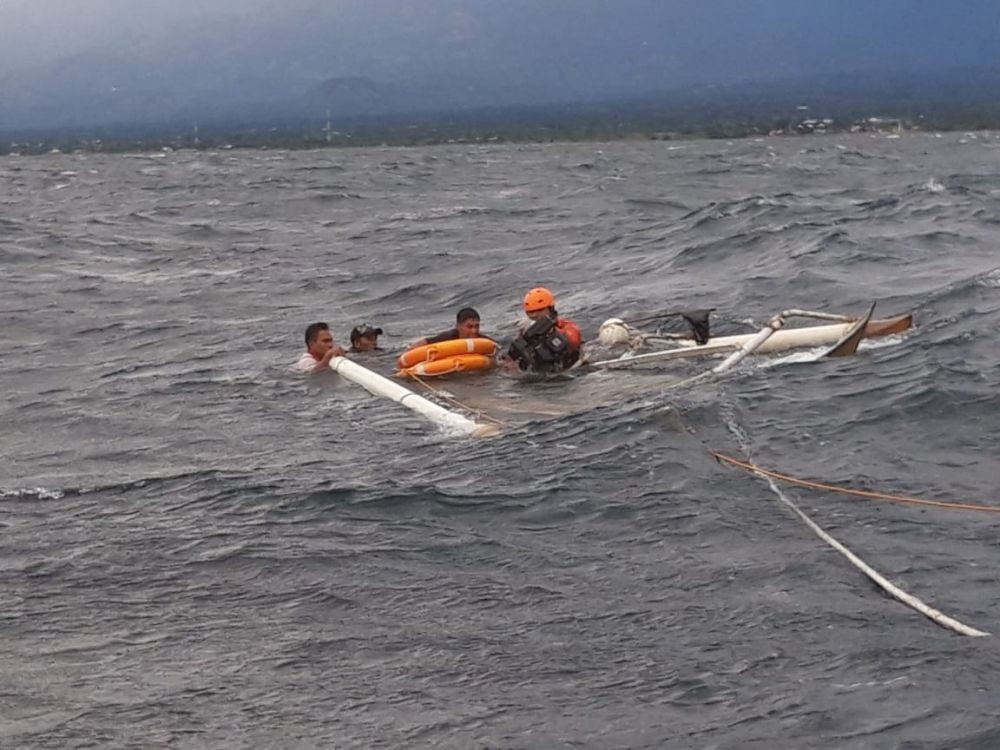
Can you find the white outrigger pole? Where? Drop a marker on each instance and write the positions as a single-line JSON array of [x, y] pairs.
[[382, 386], [848, 338], [769, 339], [852, 334], [754, 342]]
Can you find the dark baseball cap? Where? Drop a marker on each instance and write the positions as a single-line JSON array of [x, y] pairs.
[[364, 331]]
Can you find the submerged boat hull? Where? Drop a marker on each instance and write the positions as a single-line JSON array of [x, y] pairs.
[[781, 340], [821, 335]]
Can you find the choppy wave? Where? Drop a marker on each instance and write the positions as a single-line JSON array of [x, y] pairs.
[[193, 534]]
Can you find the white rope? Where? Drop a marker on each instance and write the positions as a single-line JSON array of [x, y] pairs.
[[882, 582], [877, 578]]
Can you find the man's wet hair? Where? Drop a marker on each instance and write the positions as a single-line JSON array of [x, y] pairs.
[[313, 331], [466, 313]]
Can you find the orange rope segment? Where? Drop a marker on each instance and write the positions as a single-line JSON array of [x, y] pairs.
[[754, 469]]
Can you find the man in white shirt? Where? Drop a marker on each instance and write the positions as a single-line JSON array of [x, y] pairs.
[[320, 349]]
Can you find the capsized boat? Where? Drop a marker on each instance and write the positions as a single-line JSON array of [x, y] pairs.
[[841, 334]]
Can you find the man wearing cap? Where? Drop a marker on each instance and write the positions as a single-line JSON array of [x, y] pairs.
[[466, 327], [364, 338], [547, 343], [320, 349]]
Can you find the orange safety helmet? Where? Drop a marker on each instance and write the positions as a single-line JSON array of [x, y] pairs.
[[538, 298]]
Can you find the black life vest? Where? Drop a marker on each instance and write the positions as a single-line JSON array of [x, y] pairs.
[[543, 348]]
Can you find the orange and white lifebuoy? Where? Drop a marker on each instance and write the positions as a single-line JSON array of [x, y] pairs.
[[448, 365], [442, 349]]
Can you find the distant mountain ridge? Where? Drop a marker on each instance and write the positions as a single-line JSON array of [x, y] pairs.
[[368, 58], [366, 111]]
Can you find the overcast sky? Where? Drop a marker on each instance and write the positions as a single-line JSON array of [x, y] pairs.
[[752, 32], [33, 31]]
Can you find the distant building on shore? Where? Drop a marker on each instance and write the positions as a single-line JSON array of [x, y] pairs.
[[814, 125], [880, 125]]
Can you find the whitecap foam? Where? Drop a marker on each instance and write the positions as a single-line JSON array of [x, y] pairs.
[[25, 493], [933, 186], [991, 279]]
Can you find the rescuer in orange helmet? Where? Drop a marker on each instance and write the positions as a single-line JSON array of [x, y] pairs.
[[549, 343]]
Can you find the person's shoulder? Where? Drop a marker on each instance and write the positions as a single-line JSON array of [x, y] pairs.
[[451, 333], [305, 363], [571, 330]]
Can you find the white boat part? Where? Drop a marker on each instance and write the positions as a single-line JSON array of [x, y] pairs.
[[753, 344], [773, 341], [792, 338], [615, 331], [381, 386], [683, 352]]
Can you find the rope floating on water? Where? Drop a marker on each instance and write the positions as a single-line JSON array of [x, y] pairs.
[[753, 468], [890, 588], [448, 398]]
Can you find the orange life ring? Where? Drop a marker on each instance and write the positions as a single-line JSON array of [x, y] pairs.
[[449, 348], [448, 365]]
